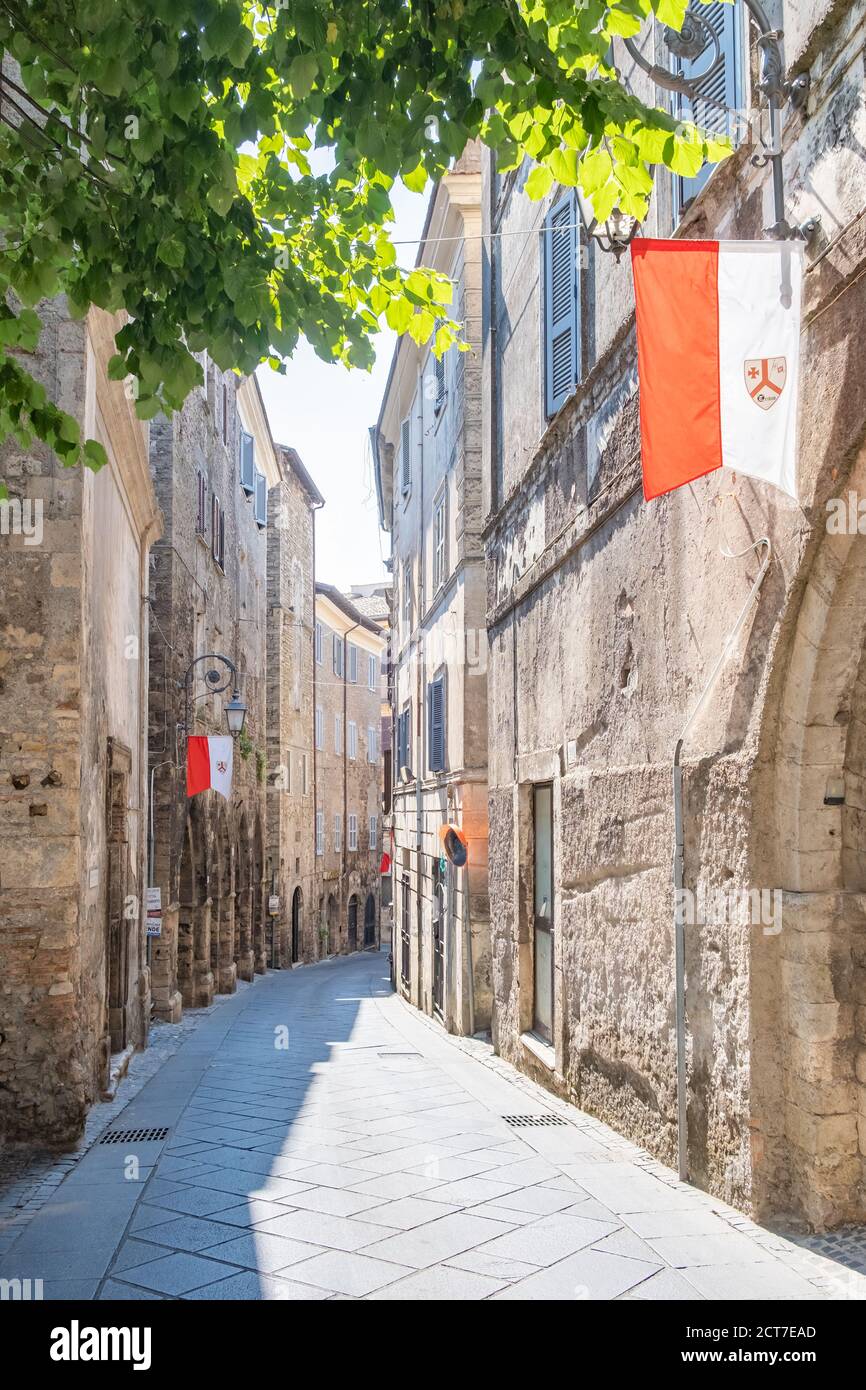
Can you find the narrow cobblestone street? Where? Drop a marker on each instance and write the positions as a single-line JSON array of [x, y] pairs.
[[320, 1140]]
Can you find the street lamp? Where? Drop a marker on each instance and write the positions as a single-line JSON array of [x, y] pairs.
[[695, 40], [217, 681]]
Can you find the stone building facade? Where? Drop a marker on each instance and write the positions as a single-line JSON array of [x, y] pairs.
[[605, 617], [348, 649], [291, 847], [75, 987], [214, 464], [428, 459]]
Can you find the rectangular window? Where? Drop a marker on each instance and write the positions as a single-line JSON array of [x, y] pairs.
[[353, 739], [260, 510], [338, 833], [338, 733], [304, 767], [353, 831], [372, 750], [407, 595], [288, 774], [353, 663], [320, 832], [439, 543], [404, 734], [436, 724], [320, 727], [372, 672], [374, 833], [201, 503], [561, 244], [319, 643], [439, 377], [718, 90], [406, 455], [218, 532], [542, 1003], [338, 655], [405, 930], [247, 462]]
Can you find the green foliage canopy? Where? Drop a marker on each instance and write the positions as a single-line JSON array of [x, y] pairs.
[[221, 170]]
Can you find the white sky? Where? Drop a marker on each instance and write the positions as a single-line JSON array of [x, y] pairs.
[[324, 412]]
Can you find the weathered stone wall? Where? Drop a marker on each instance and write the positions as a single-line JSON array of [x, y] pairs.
[[291, 619], [605, 618], [74, 986], [209, 858]]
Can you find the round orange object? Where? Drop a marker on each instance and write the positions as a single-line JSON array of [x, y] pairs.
[[455, 845]]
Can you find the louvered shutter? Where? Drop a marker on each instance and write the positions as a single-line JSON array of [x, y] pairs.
[[437, 725], [561, 303], [261, 503], [439, 369], [717, 91], [247, 452], [406, 455]]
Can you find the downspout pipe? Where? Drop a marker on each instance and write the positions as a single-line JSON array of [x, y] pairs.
[[679, 855]]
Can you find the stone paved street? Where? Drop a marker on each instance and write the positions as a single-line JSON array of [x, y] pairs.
[[324, 1141]]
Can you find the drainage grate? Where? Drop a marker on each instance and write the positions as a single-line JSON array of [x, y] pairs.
[[133, 1136], [398, 1054], [533, 1121]]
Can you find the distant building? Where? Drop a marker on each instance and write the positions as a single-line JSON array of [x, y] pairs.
[[348, 651], [427, 450], [291, 845]]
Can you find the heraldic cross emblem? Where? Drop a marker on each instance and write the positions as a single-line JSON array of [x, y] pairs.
[[765, 379]]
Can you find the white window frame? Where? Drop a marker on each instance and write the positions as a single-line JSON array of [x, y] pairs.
[[372, 672], [407, 594], [353, 663], [374, 830], [372, 750], [440, 540], [338, 833], [320, 833], [247, 456], [339, 654]]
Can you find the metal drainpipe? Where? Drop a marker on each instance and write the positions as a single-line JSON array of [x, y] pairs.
[[679, 852]]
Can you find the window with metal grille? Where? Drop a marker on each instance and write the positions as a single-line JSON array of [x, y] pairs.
[[247, 462], [319, 643], [406, 455], [436, 723], [201, 503], [352, 739], [320, 832], [353, 830], [439, 542], [338, 833], [261, 503], [218, 532], [561, 303], [718, 92]]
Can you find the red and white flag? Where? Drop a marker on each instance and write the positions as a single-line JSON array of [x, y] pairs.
[[209, 764], [718, 347]]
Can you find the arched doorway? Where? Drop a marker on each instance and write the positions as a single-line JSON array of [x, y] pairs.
[[352, 944], [333, 925], [297, 911], [370, 921], [259, 948]]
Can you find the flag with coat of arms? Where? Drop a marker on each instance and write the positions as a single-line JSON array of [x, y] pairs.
[[209, 763]]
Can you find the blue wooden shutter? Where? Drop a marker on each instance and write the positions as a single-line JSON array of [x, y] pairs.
[[261, 501], [437, 724], [247, 452], [561, 303], [406, 455], [720, 89]]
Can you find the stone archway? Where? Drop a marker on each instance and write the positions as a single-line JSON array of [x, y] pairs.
[[222, 935], [333, 925], [808, 979], [370, 921], [195, 979], [352, 923], [297, 924], [243, 901], [260, 959]]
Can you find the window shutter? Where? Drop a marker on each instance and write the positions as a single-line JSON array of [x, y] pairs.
[[561, 303], [439, 370], [718, 90], [406, 455], [261, 503], [247, 452], [437, 725]]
